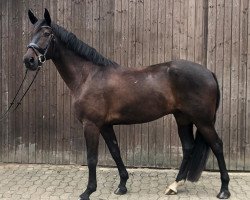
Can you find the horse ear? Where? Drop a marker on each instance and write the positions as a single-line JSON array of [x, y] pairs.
[[47, 17], [32, 17]]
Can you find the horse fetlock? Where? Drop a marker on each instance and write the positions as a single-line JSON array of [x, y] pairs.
[[91, 188], [172, 189], [124, 175], [225, 178]]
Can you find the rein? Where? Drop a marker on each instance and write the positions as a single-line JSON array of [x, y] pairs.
[[41, 60], [8, 111]]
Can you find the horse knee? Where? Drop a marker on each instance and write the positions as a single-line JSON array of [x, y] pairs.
[[92, 162]]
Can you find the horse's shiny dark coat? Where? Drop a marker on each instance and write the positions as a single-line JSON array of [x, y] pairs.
[[105, 94]]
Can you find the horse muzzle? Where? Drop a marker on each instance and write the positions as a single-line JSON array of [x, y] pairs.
[[31, 63], [30, 60]]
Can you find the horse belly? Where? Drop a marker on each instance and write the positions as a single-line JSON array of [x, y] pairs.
[[142, 111], [135, 117]]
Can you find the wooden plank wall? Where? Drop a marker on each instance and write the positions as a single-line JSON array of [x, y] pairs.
[[134, 33]]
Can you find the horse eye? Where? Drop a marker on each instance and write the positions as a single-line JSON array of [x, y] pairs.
[[46, 34]]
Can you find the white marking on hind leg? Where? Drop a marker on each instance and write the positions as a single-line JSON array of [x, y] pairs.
[[172, 189]]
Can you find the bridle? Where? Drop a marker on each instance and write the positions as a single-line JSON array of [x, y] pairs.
[[42, 51], [41, 59]]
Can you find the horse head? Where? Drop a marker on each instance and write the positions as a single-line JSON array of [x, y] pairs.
[[40, 48]]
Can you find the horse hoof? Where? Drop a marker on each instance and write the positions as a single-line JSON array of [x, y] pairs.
[[83, 197], [225, 194], [170, 192], [121, 191]]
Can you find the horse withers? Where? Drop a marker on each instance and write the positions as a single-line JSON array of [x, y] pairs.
[[105, 94]]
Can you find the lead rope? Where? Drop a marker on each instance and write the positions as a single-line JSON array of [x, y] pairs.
[[20, 101]]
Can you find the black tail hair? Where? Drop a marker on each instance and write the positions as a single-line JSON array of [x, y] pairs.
[[199, 158]]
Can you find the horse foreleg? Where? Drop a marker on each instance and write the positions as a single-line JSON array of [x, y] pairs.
[[111, 141], [187, 140], [91, 133]]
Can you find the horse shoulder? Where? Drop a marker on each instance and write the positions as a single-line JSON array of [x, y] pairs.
[[89, 103]]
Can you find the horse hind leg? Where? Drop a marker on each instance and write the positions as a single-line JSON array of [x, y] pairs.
[[209, 134], [111, 141], [187, 140]]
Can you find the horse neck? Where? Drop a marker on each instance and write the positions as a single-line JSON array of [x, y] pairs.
[[73, 69]]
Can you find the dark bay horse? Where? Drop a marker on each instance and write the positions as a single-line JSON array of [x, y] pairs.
[[105, 94]]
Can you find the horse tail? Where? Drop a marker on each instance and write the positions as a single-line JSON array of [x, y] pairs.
[[199, 158]]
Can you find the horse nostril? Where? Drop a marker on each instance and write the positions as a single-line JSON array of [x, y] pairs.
[[32, 60]]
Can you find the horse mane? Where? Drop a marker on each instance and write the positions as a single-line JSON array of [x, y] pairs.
[[79, 47]]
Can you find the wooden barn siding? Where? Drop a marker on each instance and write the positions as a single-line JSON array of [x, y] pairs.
[[134, 33]]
